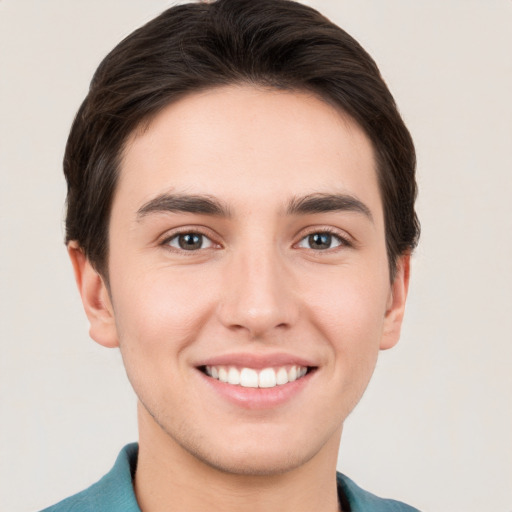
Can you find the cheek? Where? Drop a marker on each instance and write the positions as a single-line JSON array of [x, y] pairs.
[[349, 309], [160, 311]]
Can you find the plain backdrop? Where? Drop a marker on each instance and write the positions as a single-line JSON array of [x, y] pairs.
[[435, 426]]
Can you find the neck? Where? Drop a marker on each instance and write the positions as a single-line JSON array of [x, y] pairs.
[[170, 478]]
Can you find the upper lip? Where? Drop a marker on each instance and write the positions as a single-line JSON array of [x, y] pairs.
[[256, 361]]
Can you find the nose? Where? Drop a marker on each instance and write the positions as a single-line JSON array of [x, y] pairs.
[[258, 293]]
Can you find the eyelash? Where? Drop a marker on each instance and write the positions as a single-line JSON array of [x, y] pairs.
[[342, 241], [175, 236]]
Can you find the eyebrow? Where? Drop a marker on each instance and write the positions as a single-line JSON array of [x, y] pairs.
[[208, 205], [322, 203], [202, 204]]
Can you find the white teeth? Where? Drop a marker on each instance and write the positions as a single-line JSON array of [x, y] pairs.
[[282, 377], [250, 378], [267, 378], [223, 374], [233, 376]]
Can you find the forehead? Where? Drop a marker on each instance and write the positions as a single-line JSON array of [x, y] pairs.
[[248, 144]]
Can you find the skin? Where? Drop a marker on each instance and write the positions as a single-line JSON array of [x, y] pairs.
[[257, 286]]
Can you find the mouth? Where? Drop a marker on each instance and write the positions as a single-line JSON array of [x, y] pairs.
[[256, 378]]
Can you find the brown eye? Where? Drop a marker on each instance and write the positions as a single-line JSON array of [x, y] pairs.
[[190, 241], [321, 241]]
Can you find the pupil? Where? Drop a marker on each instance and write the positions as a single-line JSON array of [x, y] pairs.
[[320, 241], [190, 241]]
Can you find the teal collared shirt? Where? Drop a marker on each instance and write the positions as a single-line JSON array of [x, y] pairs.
[[114, 492]]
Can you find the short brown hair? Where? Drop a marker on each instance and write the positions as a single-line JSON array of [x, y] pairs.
[[273, 43]]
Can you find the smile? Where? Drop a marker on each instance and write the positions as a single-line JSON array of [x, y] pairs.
[[252, 378]]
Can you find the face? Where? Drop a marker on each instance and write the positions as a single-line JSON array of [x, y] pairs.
[[249, 285]]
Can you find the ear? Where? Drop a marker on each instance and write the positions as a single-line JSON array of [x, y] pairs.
[[396, 303], [95, 298]]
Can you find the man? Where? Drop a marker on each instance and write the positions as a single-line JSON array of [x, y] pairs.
[[240, 220]]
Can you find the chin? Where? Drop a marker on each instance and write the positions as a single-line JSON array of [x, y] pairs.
[[257, 452], [259, 447], [254, 462]]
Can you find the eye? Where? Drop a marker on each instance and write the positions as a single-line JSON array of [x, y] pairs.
[[189, 241], [321, 241]]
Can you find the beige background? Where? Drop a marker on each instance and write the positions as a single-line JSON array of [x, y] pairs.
[[435, 428]]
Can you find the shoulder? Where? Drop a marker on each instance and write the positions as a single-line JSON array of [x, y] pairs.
[[114, 492], [359, 500]]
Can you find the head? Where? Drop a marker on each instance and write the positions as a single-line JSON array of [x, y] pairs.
[[189, 48], [241, 206]]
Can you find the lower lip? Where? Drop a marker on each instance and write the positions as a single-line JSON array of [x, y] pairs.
[[257, 398]]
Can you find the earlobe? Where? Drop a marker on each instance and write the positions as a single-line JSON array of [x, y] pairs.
[[396, 304], [95, 298]]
